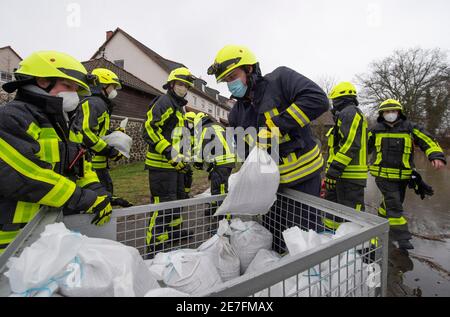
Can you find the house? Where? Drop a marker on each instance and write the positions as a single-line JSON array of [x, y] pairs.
[[9, 60], [133, 56], [132, 101], [135, 97]]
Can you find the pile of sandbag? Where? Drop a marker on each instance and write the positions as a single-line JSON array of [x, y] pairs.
[[221, 258], [185, 270], [74, 265], [247, 238]]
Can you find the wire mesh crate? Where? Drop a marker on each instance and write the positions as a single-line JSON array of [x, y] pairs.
[[353, 265]]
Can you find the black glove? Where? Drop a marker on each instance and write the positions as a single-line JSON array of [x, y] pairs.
[[114, 154], [117, 201], [102, 210], [420, 187], [198, 165], [330, 183]]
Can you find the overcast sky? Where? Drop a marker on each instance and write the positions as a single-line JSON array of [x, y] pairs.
[[316, 38]]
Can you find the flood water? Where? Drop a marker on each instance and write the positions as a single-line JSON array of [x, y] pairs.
[[426, 268]]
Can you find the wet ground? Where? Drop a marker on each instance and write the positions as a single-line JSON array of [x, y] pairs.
[[425, 271]]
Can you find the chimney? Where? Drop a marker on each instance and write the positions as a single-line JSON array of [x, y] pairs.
[[109, 34]]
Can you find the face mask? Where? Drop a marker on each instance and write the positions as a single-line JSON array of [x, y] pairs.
[[237, 88], [180, 91], [112, 94], [390, 117], [70, 100]]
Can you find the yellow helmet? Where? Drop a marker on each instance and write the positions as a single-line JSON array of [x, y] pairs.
[[181, 74], [342, 89], [390, 104], [229, 58], [107, 77], [52, 64]]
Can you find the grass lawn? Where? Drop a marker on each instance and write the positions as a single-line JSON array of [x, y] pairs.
[[131, 182]]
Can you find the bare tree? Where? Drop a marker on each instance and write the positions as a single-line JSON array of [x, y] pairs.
[[418, 78], [326, 82]]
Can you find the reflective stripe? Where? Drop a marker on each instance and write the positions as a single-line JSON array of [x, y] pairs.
[[390, 173], [75, 137], [358, 207], [330, 224], [99, 162], [99, 144], [433, 146], [90, 176], [59, 194], [302, 172], [298, 115], [351, 135], [176, 222], [34, 131], [162, 145], [6, 237], [25, 212], [151, 225], [397, 221], [222, 189], [342, 158], [162, 237], [302, 160], [26, 167], [156, 136]]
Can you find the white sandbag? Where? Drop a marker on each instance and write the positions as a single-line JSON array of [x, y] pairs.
[[221, 253], [109, 268], [78, 266], [247, 239], [252, 190], [298, 240], [346, 228], [206, 193], [165, 292], [263, 259], [44, 260], [121, 141], [187, 271]]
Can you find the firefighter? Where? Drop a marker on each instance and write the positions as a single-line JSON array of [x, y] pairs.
[[92, 121], [39, 165], [392, 140], [166, 163], [281, 105], [189, 118], [212, 151], [346, 171]]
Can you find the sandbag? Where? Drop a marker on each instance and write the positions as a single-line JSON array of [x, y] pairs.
[[263, 259], [247, 238], [121, 141], [298, 240], [109, 268], [165, 292], [187, 271], [75, 265], [252, 190], [221, 253]]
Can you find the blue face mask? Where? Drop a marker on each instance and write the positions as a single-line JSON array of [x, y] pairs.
[[237, 88]]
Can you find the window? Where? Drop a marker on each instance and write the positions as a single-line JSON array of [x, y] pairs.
[[120, 63], [5, 77], [195, 99]]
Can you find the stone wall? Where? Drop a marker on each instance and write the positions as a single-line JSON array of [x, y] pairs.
[[134, 130]]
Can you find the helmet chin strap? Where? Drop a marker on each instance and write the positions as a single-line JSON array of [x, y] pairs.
[[51, 86]]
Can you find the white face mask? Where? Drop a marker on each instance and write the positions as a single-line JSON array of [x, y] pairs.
[[181, 91], [112, 94], [70, 100], [390, 117]]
